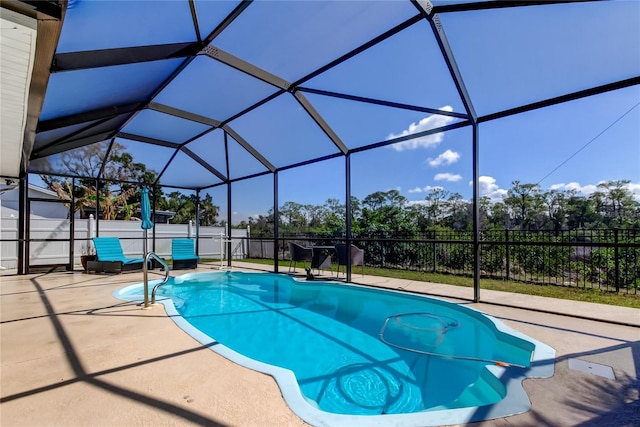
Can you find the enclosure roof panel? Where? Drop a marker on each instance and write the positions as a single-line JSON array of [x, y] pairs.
[[600, 48], [92, 25], [235, 89]]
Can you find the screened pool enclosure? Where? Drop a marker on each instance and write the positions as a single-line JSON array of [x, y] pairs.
[[212, 96]]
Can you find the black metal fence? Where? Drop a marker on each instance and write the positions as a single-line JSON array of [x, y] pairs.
[[598, 259]]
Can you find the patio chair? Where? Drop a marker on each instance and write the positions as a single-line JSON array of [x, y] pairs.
[[183, 254], [299, 253], [357, 256], [111, 258]]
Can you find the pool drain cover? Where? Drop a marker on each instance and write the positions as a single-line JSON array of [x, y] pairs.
[[369, 387], [592, 368]]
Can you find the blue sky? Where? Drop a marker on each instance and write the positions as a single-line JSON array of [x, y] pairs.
[[507, 58], [574, 145]]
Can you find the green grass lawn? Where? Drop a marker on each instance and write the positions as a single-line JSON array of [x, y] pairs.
[[552, 291]]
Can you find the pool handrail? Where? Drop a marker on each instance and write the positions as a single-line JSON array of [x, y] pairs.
[[146, 278]]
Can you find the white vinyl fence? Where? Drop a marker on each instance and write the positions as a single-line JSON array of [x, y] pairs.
[[211, 242], [8, 243]]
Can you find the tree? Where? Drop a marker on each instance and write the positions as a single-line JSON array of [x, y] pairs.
[[111, 203], [500, 216], [333, 219], [184, 207], [418, 216], [87, 162], [119, 192], [262, 225], [555, 202], [64, 189], [84, 161], [292, 217], [313, 214], [375, 201], [436, 203], [485, 212], [523, 201], [383, 208], [614, 201], [208, 211], [384, 212], [459, 213]]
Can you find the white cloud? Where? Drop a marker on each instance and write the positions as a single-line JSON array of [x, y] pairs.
[[430, 122], [487, 184], [589, 189], [584, 190], [425, 189], [447, 177], [446, 158], [237, 216], [634, 187], [488, 187]]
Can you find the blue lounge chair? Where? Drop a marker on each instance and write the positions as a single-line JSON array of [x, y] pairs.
[[183, 254], [110, 256]]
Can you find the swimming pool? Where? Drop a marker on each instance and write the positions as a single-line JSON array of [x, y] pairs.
[[348, 355]]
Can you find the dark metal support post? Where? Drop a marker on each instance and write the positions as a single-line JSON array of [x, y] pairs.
[[153, 215], [427, 9], [276, 227], [23, 225], [476, 216], [229, 225], [347, 176], [97, 207], [72, 225], [197, 222]]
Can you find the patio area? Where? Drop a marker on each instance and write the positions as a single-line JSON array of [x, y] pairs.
[[72, 354]]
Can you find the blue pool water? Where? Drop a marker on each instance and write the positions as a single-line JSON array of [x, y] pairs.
[[359, 352]]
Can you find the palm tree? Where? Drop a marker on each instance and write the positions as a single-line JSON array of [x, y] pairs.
[[208, 211], [111, 204], [64, 190], [128, 210]]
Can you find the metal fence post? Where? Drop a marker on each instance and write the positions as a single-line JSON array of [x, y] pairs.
[[616, 255], [506, 250], [435, 258]]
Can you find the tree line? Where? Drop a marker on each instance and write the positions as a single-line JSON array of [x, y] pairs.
[[538, 250], [524, 207]]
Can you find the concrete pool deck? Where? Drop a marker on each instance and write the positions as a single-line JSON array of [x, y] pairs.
[[73, 355]]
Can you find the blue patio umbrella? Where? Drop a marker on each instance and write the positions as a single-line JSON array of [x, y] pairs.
[[145, 214]]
